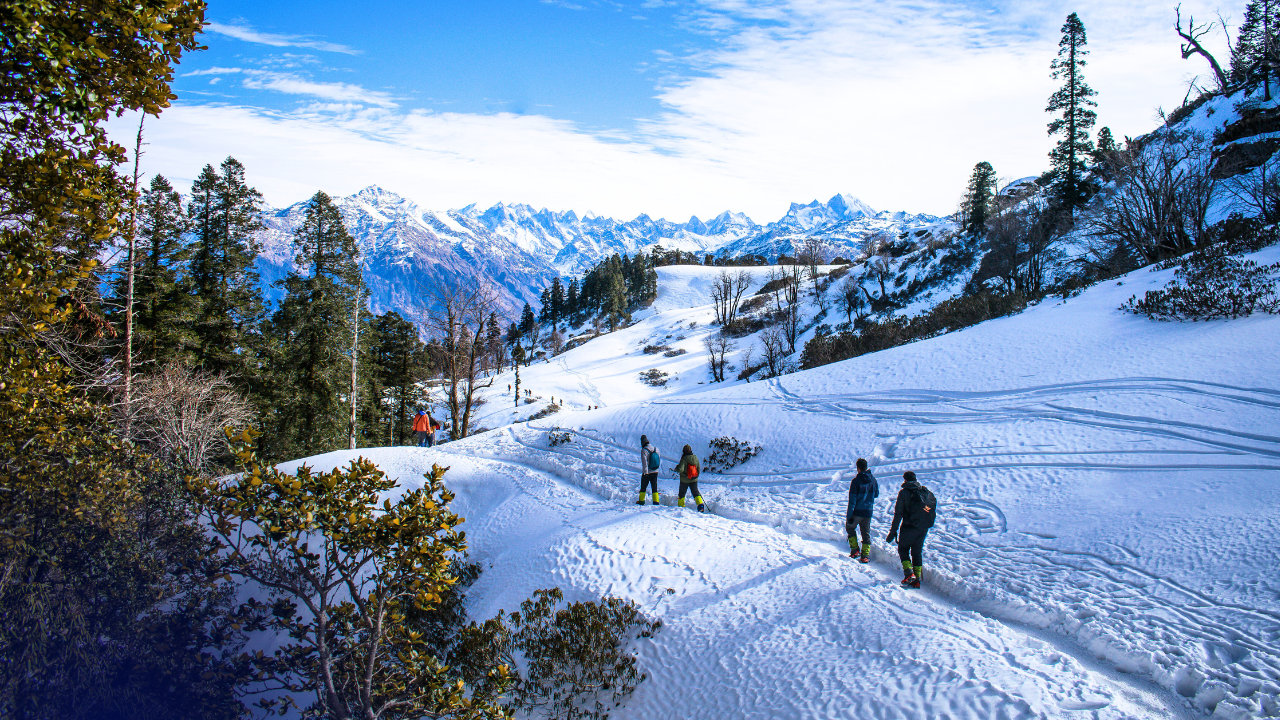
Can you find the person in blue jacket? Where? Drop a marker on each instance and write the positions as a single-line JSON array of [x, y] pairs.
[[863, 491]]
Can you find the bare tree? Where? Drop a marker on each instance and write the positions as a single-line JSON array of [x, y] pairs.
[[813, 253], [1192, 46], [726, 295], [774, 344], [555, 341], [457, 324], [1258, 191], [178, 414], [1161, 203], [718, 347], [852, 299]]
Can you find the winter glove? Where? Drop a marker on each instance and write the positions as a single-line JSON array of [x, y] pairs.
[[890, 537]]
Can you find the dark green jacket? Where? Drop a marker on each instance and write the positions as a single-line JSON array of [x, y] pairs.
[[683, 467]]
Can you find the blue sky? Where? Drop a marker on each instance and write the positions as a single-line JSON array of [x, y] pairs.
[[668, 107]]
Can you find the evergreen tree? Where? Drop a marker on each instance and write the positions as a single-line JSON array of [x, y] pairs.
[[571, 298], [527, 320], [1106, 143], [1255, 40], [224, 214], [314, 328], [1073, 100], [977, 200], [557, 301], [164, 308], [400, 363]]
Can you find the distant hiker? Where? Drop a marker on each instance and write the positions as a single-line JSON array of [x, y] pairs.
[[863, 491], [688, 469], [422, 426], [650, 463], [916, 509]]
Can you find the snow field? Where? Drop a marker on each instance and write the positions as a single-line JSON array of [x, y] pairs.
[[1105, 545]]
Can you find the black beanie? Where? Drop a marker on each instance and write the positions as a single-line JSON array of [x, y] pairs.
[[909, 476], [644, 440], [688, 450]]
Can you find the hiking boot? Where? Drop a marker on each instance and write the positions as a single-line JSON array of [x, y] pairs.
[[702, 508], [640, 503], [862, 558], [915, 582]]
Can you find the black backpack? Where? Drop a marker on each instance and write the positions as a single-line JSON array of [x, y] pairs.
[[922, 508]]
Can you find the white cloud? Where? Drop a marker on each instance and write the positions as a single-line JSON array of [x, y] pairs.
[[892, 101], [341, 92], [248, 34]]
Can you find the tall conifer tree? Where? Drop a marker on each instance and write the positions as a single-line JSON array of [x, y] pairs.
[[313, 326], [224, 215], [977, 200], [1073, 100], [1256, 37]]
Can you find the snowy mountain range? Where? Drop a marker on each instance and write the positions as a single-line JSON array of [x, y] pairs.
[[410, 252]]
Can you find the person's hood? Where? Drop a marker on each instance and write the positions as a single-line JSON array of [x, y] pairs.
[[910, 484]]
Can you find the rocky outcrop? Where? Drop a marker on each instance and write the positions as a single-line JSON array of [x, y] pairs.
[[1246, 143]]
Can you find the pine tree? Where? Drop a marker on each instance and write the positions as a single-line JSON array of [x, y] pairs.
[[977, 200], [571, 298], [1073, 100], [1256, 38], [224, 215], [557, 301], [399, 361], [313, 327], [164, 308], [1106, 143]]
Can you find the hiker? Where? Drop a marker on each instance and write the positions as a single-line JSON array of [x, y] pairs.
[[688, 469], [915, 509], [433, 426], [863, 491], [422, 426], [650, 463]]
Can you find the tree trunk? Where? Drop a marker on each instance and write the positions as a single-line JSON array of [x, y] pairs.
[[355, 354], [128, 293]]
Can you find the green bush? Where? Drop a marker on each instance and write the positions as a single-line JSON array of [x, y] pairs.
[[577, 659], [1211, 284]]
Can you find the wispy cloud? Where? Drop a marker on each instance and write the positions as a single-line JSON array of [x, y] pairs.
[[248, 34], [891, 100]]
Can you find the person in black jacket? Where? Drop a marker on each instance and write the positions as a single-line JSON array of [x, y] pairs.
[[914, 512], [863, 491]]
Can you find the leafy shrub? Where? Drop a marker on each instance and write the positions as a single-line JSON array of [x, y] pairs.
[[1211, 284], [530, 400], [576, 660], [727, 452], [654, 377], [675, 353], [558, 436], [655, 349]]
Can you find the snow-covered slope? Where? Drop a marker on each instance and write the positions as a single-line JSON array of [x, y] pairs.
[[1105, 545]]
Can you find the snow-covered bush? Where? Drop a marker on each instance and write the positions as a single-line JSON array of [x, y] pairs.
[[653, 377], [558, 436], [655, 349], [550, 409], [1211, 284], [677, 352], [728, 451]]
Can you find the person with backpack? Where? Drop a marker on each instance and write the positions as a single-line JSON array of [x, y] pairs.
[[863, 491], [688, 469], [915, 509], [433, 427], [650, 464], [422, 427]]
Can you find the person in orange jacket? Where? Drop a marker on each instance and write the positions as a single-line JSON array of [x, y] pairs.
[[422, 426]]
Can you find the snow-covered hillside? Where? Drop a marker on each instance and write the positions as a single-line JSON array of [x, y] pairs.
[[1106, 540]]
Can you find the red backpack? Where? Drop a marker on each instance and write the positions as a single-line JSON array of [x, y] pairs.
[[691, 471]]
